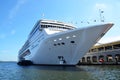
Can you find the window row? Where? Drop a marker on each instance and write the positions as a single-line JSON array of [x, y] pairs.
[[66, 38], [50, 26], [62, 43], [45, 23]]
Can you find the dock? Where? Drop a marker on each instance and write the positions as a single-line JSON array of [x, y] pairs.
[[108, 53]]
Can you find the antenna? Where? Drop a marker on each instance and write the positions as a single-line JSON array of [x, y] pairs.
[[43, 16], [102, 19]]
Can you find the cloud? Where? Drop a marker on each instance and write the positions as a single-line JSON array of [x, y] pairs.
[[100, 6], [15, 9]]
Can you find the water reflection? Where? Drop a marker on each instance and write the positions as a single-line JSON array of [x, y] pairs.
[[54, 73]]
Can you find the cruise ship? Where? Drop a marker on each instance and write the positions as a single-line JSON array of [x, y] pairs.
[[57, 43]]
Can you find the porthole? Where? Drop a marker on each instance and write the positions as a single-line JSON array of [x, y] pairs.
[[58, 43], [63, 43], [55, 44], [72, 41]]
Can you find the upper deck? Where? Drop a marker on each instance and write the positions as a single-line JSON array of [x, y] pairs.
[[55, 24], [52, 25]]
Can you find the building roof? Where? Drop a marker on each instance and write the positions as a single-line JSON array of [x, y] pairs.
[[106, 44]]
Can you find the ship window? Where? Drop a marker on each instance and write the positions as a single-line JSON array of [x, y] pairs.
[[55, 45], [62, 27], [55, 40], [72, 41], [46, 26], [74, 35], [58, 43], [42, 26], [60, 38], [63, 43], [67, 37], [49, 26]]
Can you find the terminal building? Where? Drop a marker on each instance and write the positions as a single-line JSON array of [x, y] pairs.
[[108, 53]]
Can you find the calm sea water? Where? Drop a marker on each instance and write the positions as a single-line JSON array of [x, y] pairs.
[[11, 71]]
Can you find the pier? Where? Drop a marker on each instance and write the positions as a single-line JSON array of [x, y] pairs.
[[108, 53]]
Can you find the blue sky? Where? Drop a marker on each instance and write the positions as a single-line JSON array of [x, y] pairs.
[[17, 18]]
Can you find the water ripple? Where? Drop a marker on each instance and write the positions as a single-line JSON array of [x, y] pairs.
[[11, 71]]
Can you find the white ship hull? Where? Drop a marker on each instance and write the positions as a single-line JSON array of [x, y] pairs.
[[65, 48]]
